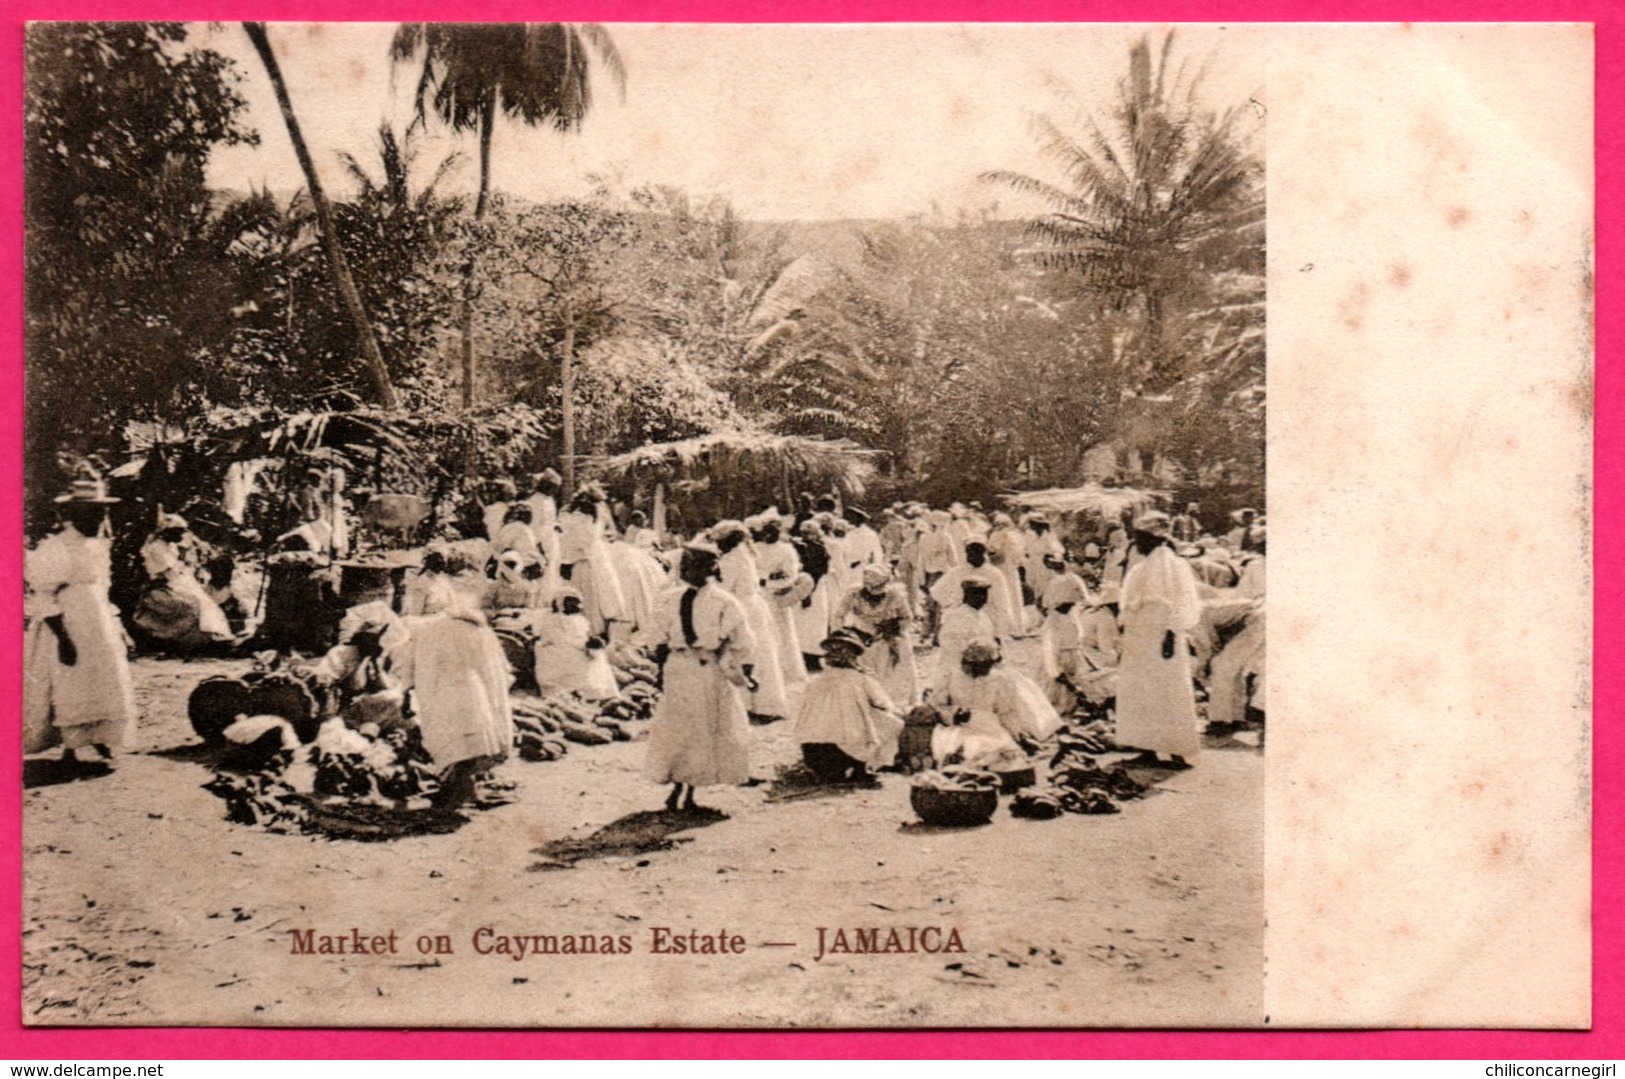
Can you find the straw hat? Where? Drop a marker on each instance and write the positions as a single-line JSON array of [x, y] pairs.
[[87, 489], [842, 638]]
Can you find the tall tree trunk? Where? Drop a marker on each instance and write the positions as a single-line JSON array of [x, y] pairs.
[[487, 121], [567, 385], [336, 266]]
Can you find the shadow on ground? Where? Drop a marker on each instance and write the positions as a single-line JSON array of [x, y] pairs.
[[53, 771], [636, 833]]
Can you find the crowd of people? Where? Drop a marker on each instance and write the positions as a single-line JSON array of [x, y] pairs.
[[848, 626]]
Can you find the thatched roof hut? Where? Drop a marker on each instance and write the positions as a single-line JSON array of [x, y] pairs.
[[734, 473], [1092, 500]]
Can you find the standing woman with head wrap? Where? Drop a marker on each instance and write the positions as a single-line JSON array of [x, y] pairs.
[[700, 734], [1156, 704]]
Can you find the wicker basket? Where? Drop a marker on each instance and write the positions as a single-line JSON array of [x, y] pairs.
[[954, 808], [280, 694], [215, 703]]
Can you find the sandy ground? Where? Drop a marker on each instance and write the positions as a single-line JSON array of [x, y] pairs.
[[143, 905]]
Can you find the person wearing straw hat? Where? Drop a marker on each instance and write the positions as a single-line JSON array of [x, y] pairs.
[[967, 620], [1156, 703], [948, 592], [845, 722], [176, 610], [77, 690], [700, 733]]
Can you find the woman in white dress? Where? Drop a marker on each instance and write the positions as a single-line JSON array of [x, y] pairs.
[[700, 734], [988, 717], [811, 613], [845, 722], [780, 568], [586, 564], [1156, 704], [176, 609], [77, 691], [459, 678], [742, 577]]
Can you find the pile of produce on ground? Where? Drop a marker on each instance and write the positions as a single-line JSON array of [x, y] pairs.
[[327, 786], [544, 726], [1094, 738], [1077, 784], [284, 768]]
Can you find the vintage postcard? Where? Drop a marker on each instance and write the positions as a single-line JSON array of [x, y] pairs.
[[575, 525]]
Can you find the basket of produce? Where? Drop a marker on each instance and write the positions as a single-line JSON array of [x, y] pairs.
[[218, 702], [957, 798]]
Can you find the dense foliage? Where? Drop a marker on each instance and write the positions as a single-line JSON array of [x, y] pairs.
[[1117, 332]]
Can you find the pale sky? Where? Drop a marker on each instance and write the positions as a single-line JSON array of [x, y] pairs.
[[789, 121]]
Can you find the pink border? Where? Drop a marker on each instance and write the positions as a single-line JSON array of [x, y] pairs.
[[1606, 1040]]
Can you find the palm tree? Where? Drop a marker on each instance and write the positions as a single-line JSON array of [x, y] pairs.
[[393, 190], [538, 73], [1151, 205], [336, 265]]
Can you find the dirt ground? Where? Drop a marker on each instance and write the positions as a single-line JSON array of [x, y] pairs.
[[143, 904]]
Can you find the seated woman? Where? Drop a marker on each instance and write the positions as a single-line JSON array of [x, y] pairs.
[[176, 611], [569, 659], [987, 716], [845, 722], [359, 671]]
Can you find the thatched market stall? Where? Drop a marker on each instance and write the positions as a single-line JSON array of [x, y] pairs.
[[732, 474]]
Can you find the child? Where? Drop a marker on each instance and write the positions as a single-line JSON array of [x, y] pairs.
[[569, 659], [845, 722]]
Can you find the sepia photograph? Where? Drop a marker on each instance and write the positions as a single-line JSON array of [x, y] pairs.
[[618, 525]]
